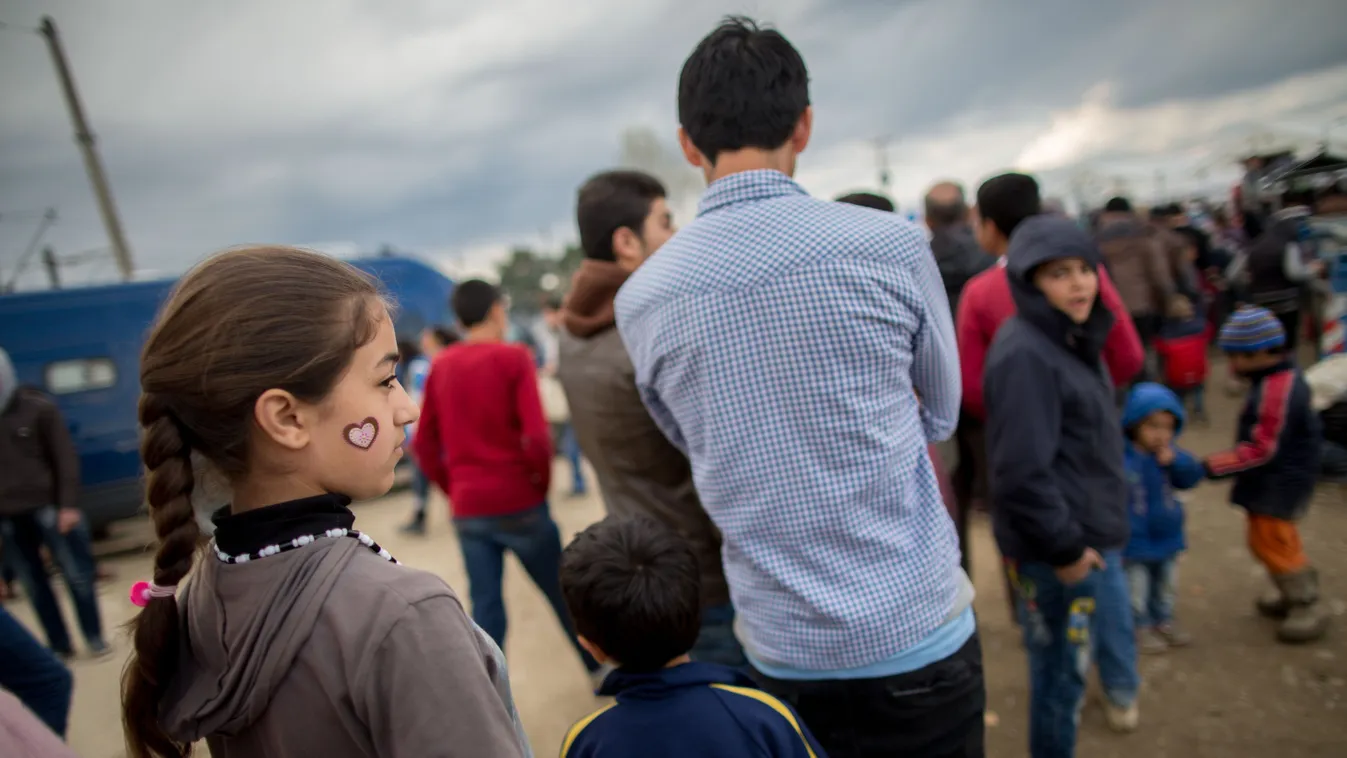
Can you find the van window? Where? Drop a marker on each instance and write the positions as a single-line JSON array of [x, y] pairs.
[[80, 375]]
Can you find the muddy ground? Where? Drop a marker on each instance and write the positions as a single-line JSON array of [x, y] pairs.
[[1235, 692]]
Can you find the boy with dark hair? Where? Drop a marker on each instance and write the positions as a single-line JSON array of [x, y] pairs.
[[623, 219], [1275, 463], [1058, 489], [483, 440], [634, 589], [1152, 419]]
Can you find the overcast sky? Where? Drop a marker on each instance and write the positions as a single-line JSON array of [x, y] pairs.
[[457, 128]]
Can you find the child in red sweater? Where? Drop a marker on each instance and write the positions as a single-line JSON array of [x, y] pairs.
[[484, 441], [1182, 347]]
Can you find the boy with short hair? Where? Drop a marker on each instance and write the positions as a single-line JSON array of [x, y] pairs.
[[633, 587], [1058, 488], [1152, 420], [1275, 462]]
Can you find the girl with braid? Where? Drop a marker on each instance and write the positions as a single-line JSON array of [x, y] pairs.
[[291, 633]]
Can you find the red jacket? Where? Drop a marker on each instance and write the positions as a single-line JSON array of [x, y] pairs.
[[1185, 360], [986, 303], [482, 437]]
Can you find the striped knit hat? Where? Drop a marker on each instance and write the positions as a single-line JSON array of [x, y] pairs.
[[1251, 329]]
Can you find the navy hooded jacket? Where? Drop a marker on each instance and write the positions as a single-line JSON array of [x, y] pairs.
[[693, 709], [1156, 515], [1053, 447]]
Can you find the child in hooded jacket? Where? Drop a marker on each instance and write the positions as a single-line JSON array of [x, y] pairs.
[[1152, 419]]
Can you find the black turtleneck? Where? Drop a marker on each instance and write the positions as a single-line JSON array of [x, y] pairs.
[[250, 531]]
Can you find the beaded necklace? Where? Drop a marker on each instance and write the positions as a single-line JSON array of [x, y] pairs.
[[299, 542]]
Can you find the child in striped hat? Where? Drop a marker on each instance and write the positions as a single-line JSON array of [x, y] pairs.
[[1275, 462]]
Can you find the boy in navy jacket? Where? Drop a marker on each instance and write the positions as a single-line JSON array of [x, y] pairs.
[[1275, 464], [1057, 483], [633, 588], [1152, 420]]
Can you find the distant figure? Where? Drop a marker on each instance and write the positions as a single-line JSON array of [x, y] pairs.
[[38, 494], [623, 220], [1138, 262], [780, 341], [433, 340], [952, 240], [632, 586], [557, 411]]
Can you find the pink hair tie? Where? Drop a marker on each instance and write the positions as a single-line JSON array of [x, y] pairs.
[[143, 592]]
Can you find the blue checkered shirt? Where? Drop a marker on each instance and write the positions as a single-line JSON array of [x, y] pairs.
[[777, 340]]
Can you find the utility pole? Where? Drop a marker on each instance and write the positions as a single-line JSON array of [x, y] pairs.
[[85, 138], [53, 270]]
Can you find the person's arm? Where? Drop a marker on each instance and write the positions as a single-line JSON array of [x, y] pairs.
[[426, 445], [1186, 471], [62, 457], [1123, 353], [1262, 443], [536, 432], [935, 352], [426, 692], [974, 338], [1024, 419]]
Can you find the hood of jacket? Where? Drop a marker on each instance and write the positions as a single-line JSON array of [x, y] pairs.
[[228, 672], [1147, 398], [1036, 241], [9, 380], [588, 308]]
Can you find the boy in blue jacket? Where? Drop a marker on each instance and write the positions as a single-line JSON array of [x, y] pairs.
[[633, 588], [1152, 419], [1058, 489]]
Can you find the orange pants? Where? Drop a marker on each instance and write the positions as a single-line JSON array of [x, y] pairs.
[[1276, 543]]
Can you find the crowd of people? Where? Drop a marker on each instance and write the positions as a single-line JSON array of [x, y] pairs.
[[784, 569]]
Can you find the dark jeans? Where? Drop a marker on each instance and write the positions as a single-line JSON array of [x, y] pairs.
[[1059, 622], [933, 712], [24, 537], [1334, 460], [716, 642], [533, 537], [420, 494], [33, 674], [1291, 325], [570, 447], [969, 479]]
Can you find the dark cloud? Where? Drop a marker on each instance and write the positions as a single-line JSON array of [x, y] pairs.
[[432, 125]]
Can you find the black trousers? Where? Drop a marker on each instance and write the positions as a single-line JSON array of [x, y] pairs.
[[933, 712], [1291, 324]]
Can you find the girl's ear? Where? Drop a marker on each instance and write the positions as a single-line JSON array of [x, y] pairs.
[[282, 418]]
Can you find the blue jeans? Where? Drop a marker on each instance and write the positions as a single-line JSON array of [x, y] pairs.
[[34, 675], [1115, 641], [533, 537], [1058, 623], [1333, 460], [570, 447], [420, 494], [1153, 588], [716, 642], [24, 536]]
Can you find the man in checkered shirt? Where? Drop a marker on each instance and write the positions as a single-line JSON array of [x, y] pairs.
[[778, 340]]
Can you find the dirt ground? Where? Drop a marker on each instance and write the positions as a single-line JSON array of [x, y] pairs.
[[1235, 692]]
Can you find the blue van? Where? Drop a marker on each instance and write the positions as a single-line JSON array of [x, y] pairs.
[[82, 346]]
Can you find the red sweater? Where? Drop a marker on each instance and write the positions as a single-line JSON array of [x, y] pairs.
[[985, 304], [482, 437]]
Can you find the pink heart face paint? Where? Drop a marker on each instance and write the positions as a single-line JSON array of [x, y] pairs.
[[362, 435]]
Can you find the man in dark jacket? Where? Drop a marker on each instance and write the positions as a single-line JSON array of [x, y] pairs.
[[952, 241], [623, 219], [1058, 487], [37, 508], [1138, 262]]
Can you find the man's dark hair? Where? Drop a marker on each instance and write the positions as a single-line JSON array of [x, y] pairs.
[[610, 201], [743, 86], [1007, 200], [1118, 205], [633, 588], [868, 200], [472, 301], [940, 213], [443, 335]]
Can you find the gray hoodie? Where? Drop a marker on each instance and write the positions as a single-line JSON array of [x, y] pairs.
[[332, 651]]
